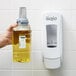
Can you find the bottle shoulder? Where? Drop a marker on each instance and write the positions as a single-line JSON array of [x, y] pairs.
[[27, 27]]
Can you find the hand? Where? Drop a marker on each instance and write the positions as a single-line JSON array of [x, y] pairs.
[[6, 38]]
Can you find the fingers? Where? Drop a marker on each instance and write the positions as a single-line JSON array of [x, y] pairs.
[[10, 28]]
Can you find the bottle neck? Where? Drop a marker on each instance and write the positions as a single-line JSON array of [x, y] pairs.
[[23, 26], [23, 23]]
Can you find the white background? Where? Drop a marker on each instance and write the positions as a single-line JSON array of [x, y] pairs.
[[8, 14]]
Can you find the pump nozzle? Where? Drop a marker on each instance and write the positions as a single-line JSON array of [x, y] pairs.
[[22, 12], [22, 16]]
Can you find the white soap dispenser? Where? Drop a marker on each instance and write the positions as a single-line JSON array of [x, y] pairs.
[[52, 53]]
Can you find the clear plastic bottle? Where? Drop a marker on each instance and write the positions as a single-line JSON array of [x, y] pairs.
[[21, 38]]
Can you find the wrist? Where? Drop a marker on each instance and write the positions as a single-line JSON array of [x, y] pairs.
[[3, 40]]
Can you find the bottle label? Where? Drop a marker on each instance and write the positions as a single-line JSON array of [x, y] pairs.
[[22, 42]]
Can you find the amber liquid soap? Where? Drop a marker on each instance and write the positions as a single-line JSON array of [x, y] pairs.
[[21, 47], [21, 41]]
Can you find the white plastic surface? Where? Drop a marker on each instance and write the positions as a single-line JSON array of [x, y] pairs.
[[52, 63], [52, 55]]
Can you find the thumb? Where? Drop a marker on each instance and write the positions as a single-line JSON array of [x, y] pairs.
[[10, 28]]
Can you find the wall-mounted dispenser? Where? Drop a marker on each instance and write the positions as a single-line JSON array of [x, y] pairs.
[[52, 53]]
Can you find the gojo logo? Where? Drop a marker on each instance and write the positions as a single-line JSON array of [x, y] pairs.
[[51, 18]]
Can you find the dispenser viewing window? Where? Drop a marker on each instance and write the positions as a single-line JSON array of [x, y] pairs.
[[51, 35]]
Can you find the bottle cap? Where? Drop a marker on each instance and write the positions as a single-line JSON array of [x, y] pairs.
[[22, 12], [22, 16]]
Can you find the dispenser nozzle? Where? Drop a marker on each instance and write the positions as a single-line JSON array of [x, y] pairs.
[[22, 12]]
